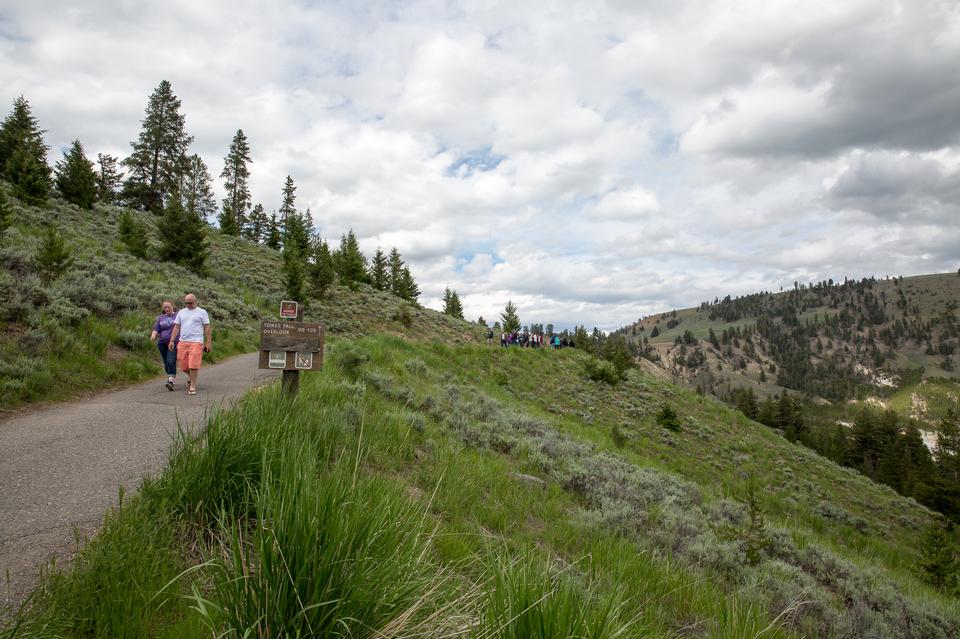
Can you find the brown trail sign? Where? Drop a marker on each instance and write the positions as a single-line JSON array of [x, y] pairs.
[[291, 347]]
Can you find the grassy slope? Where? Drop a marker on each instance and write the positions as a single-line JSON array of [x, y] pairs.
[[507, 476], [511, 457], [88, 329]]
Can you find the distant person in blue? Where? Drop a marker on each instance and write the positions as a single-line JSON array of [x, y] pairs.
[[162, 330]]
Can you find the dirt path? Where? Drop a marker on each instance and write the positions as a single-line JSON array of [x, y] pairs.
[[61, 467]]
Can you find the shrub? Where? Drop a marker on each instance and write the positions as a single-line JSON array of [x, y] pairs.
[[601, 371], [668, 418], [404, 315], [350, 358], [133, 340]]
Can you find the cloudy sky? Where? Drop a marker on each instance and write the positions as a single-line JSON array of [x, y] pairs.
[[592, 161]]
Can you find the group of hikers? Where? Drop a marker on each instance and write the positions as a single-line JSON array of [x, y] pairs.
[[526, 339], [182, 338]]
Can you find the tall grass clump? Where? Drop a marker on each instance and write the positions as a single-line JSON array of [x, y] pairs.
[[217, 470], [529, 599], [329, 554], [110, 590]]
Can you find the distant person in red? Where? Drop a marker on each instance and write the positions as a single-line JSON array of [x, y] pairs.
[[192, 327], [162, 330]]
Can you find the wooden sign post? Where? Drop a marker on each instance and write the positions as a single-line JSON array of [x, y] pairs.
[[291, 347]]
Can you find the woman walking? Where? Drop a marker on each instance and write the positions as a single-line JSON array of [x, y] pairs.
[[162, 329]]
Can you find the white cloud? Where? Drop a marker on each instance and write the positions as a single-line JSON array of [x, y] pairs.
[[594, 163]]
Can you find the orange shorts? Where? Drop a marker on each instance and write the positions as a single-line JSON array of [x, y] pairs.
[[189, 355]]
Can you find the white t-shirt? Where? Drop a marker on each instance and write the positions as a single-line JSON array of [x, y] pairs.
[[191, 323]]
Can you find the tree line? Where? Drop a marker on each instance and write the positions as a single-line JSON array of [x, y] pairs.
[[884, 446], [161, 177]]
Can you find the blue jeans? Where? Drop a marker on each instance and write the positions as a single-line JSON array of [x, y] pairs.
[[169, 357]]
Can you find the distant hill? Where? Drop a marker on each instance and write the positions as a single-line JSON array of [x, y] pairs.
[[833, 341]]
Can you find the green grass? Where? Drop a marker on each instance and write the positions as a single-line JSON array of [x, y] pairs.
[[409, 491]]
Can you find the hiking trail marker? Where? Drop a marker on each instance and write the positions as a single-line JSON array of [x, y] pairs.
[[290, 309], [291, 347]]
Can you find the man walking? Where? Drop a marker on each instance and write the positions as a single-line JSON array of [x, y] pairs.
[[192, 327]]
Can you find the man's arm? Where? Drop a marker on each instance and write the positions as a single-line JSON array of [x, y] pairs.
[[175, 334], [208, 337]]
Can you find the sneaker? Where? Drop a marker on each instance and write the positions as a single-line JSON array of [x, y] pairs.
[[169, 384]]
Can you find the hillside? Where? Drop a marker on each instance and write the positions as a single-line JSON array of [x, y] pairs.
[[88, 328], [832, 341], [423, 484]]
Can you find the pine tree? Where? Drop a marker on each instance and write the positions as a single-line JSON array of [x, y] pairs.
[[272, 238], [293, 274], [451, 304], [197, 189], [257, 224], [288, 205], [183, 237], [76, 179], [350, 262], [509, 319], [322, 272], [54, 257], [379, 271], [109, 179], [233, 217], [307, 220], [408, 286], [133, 235], [23, 155], [939, 560], [295, 235], [159, 154], [395, 263]]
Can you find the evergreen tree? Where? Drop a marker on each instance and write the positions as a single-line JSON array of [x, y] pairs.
[[408, 286], [183, 237], [197, 189], [159, 154], [233, 217], [5, 215], [293, 274], [379, 271], [307, 219], [288, 204], [257, 224], [295, 235], [482, 322], [395, 264], [350, 262], [23, 155], [54, 257], [109, 179], [76, 179], [273, 239], [322, 272], [939, 560], [451, 304], [133, 235], [509, 318]]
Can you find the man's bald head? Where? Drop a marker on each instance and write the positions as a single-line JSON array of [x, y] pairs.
[[189, 299]]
